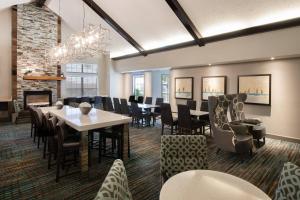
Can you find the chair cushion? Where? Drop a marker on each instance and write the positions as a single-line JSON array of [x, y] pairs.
[[289, 183]]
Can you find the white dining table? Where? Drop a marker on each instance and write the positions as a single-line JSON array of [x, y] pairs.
[[84, 123], [146, 106], [209, 185], [193, 112]]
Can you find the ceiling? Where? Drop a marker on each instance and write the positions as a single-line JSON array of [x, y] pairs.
[[153, 24]]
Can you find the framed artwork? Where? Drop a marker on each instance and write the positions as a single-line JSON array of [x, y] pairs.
[[213, 86], [184, 87], [257, 87]]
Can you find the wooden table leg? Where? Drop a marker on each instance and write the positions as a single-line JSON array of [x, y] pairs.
[[126, 147], [84, 151]]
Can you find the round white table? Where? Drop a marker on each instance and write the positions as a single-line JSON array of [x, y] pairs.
[[209, 185]]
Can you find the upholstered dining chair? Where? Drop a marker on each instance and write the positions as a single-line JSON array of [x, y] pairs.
[[187, 124], [181, 153], [148, 100], [107, 104], [115, 185], [167, 118], [117, 105], [227, 137], [191, 104], [157, 111], [125, 108]]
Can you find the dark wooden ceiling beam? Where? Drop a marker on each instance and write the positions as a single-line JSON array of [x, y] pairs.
[[225, 36], [94, 6], [40, 3], [185, 20]]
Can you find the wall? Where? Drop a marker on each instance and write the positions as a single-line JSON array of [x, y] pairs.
[[279, 43], [282, 118], [5, 53], [36, 33]]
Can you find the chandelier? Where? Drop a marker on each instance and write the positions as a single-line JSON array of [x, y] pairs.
[[91, 42]]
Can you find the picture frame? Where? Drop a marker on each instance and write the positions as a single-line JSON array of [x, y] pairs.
[[257, 87], [184, 88], [213, 86]]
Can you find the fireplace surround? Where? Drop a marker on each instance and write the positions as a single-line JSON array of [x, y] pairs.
[[38, 98]]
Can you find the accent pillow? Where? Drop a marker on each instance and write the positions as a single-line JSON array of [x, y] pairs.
[[289, 183]]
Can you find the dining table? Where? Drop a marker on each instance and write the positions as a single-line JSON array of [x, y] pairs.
[[146, 106], [209, 185], [95, 119]]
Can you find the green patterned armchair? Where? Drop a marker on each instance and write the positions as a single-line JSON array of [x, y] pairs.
[[115, 185], [181, 153]]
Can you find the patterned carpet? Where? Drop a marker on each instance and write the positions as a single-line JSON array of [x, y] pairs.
[[24, 174]]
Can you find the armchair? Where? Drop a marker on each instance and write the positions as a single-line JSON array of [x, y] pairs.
[[227, 137]]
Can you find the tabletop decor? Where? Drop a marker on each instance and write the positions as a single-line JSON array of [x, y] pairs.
[[85, 108], [184, 87], [213, 86], [59, 105], [257, 87]]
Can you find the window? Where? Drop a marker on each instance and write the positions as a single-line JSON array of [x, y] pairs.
[[81, 80], [165, 87], [138, 85]]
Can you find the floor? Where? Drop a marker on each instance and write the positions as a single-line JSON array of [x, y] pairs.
[[24, 174]]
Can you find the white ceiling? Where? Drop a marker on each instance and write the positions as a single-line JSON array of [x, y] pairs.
[[153, 24]]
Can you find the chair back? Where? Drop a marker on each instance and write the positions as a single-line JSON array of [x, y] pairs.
[[148, 100], [236, 107], [140, 99], [85, 99], [191, 104], [117, 105], [98, 102], [184, 117], [45, 125], [166, 114], [60, 131], [131, 98], [204, 106], [158, 101], [218, 107], [52, 122], [107, 104], [136, 111], [124, 107], [115, 185], [38, 118], [181, 153]]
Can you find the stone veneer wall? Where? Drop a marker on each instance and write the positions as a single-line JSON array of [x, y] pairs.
[[36, 34]]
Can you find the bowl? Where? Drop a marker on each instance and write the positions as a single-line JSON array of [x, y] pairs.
[[59, 105], [85, 108]]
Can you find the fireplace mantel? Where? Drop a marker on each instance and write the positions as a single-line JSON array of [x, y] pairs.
[[43, 78]]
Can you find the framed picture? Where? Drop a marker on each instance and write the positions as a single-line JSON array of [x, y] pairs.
[[257, 87], [213, 86], [184, 87]]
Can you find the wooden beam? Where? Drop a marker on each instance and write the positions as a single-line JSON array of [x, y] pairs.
[[40, 3], [185, 20], [94, 6], [225, 36]]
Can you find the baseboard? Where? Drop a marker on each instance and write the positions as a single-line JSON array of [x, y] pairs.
[[288, 139]]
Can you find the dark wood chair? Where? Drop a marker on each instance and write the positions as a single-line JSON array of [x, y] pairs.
[[191, 104], [187, 124], [65, 149], [140, 99], [167, 118], [117, 105], [138, 115], [107, 104], [125, 108], [148, 100]]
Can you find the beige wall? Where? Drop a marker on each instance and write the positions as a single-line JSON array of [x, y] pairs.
[[148, 84], [282, 118], [5, 53]]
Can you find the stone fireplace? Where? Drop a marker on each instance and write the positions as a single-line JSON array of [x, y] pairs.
[[37, 98]]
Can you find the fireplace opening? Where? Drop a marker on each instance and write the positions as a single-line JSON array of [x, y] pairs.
[[37, 98]]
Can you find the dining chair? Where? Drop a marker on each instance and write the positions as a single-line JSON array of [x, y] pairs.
[[32, 120], [157, 111], [125, 108], [181, 153], [52, 140], [107, 104], [148, 100], [191, 104], [187, 124], [85, 99], [139, 115], [64, 149], [39, 128], [167, 118], [115, 185], [117, 105], [98, 102], [131, 98], [205, 118], [140, 99]]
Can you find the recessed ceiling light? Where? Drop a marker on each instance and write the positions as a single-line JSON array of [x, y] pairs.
[[209, 64], [272, 58]]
